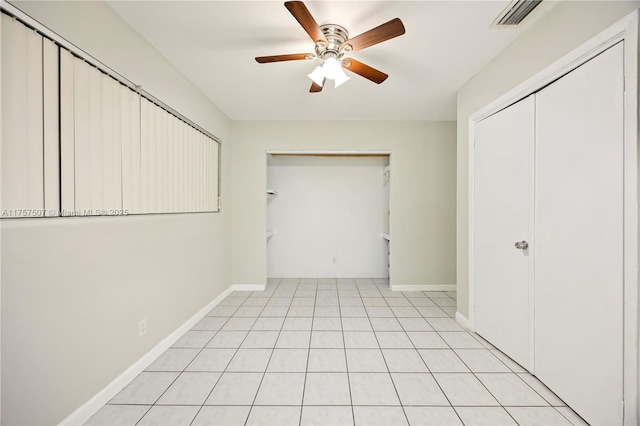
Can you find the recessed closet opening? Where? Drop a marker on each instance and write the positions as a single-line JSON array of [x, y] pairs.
[[328, 215]]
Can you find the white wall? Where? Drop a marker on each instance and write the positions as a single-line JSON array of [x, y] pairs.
[[564, 28], [74, 289], [422, 190], [327, 208]]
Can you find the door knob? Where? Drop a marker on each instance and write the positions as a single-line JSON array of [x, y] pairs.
[[522, 245]]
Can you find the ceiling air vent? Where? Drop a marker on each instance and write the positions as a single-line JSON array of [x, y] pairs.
[[515, 13]]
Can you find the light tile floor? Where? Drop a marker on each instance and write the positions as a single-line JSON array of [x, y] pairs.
[[334, 352]]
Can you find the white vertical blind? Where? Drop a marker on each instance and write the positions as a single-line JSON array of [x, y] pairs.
[[181, 172], [215, 176], [178, 165], [202, 168], [67, 132], [112, 131], [27, 109], [84, 136], [165, 156], [89, 160], [207, 177], [189, 189], [51, 135], [171, 165], [77, 142], [130, 104], [98, 116], [152, 156], [144, 156], [160, 169], [81, 85], [98, 141]]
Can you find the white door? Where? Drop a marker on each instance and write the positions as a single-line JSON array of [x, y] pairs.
[[502, 206], [579, 238]]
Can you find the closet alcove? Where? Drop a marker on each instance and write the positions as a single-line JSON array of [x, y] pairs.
[[328, 215]]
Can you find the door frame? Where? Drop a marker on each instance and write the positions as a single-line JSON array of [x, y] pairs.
[[624, 30], [325, 153]]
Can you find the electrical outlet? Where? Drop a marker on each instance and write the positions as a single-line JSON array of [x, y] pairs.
[[142, 328], [334, 260]]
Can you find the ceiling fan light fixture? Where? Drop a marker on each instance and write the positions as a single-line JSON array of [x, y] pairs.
[[332, 68], [317, 75]]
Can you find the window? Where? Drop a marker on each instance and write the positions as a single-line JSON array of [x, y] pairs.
[[101, 148]]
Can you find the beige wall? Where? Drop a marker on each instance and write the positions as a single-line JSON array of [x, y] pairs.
[[74, 289], [564, 28], [422, 190]]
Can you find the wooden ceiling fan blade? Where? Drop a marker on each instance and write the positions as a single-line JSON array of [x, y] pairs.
[[315, 87], [365, 71], [280, 58], [384, 32], [305, 19]]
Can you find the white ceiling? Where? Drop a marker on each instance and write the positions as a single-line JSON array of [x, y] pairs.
[[214, 44]]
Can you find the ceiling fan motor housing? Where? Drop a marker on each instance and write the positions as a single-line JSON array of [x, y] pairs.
[[335, 35]]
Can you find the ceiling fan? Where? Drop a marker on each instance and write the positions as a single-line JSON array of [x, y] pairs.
[[332, 44]]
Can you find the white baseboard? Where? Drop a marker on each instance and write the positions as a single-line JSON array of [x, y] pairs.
[[462, 320], [248, 287], [426, 287], [89, 408]]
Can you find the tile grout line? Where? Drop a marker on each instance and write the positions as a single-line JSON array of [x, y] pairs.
[[306, 370], [344, 343]]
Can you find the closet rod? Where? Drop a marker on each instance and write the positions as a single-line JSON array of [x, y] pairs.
[[330, 155]]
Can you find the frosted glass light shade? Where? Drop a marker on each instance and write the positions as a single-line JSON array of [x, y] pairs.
[[317, 76], [331, 68]]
